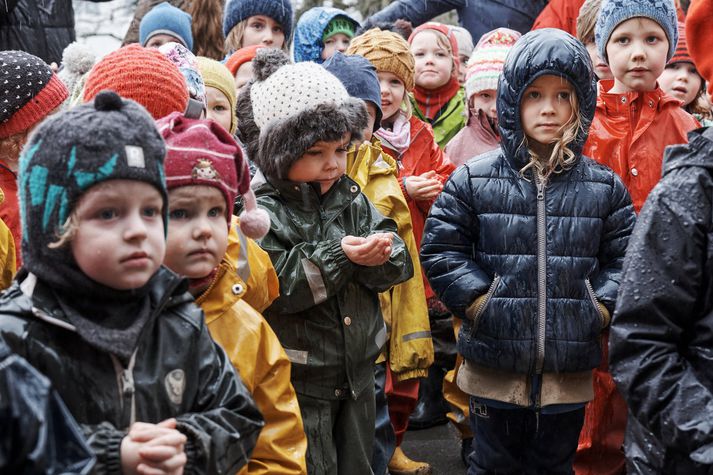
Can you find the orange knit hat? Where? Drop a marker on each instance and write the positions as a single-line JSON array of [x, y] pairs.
[[141, 74], [241, 56], [698, 28]]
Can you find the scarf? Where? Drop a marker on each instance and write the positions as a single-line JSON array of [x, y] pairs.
[[431, 101], [399, 138]]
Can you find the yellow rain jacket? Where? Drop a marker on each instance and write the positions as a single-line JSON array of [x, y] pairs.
[[7, 252], [410, 350], [256, 353], [254, 268]]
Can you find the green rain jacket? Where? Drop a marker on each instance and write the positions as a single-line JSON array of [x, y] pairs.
[[449, 121]]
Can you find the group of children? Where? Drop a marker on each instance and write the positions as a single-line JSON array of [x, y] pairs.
[[229, 266]]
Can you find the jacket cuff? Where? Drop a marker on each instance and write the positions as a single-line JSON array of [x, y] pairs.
[[472, 309], [106, 444], [410, 374]]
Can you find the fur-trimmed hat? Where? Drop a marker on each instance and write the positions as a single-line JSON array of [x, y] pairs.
[[388, 52], [614, 12], [202, 153], [296, 106]]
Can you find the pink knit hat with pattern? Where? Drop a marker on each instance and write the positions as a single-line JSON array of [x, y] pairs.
[[487, 61]]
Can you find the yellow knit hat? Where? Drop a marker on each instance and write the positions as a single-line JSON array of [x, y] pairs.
[[218, 76], [388, 52]]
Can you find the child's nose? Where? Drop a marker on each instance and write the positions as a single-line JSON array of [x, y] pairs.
[[135, 227], [202, 231]]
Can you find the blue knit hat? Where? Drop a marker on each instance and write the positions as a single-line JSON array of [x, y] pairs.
[[613, 12], [238, 10], [165, 19], [359, 78]]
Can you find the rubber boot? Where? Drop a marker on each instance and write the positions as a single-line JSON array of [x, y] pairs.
[[431, 409], [400, 464]]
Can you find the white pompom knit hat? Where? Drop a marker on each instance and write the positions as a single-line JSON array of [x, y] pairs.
[[296, 106], [487, 61]]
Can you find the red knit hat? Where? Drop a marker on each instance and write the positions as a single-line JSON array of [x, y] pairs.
[[446, 30], [202, 153], [241, 56], [698, 30], [681, 54], [141, 74], [29, 92]]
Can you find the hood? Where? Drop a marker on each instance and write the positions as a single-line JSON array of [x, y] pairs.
[[541, 52], [698, 152], [309, 30]]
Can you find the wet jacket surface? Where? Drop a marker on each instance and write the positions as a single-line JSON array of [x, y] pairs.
[[327, 316], [410, 348], [257, 355], [476, 16], [37, 433], [40, 27], [422, 155], [308, 44], [178, 371], [448, 121], [662, 331], [542, 255], [630, 132]]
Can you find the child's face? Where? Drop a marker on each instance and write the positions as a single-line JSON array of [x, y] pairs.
[[462, 68], [368, 131], [392, 94], [119, 240], [545, 109], [485, 101], [601, 69], [637, 52], [197, 230], [242, 76], [434, 64], [159, 40], [218, 107], [324, 163], [339, 42], [263, 30], [682, 81]]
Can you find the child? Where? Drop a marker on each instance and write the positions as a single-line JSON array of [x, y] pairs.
[[257, 22], [21, 112], [204, 172], [682, 80], [219, 93], [240, 65], [321, 31], [95, 312], [143, 75], [187, 64], [333, 253], [526, 245], [484, 67], [165, 23], [586, 21], [465, 49], [410, 349], [437, 97]]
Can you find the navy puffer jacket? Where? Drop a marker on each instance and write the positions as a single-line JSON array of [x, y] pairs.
[[543, 254]]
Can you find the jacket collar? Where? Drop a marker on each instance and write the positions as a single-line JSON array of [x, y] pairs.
[[369, 160], [620, 103], [225, 290], [306, 197]]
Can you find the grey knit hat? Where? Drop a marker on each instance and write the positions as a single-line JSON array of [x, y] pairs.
[[613, 12], [296, 106]]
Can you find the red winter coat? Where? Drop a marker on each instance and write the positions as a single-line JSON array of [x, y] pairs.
[[421, 156], [629, 134]]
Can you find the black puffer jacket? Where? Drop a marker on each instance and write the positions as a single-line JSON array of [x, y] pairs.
[[40, 27], [662, 333], [542, 254], [178, 371]]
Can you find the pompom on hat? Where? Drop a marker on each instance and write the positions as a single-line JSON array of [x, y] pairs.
[[29, 92], [165, 19], [388, 52], [140, 74], [698, 36], [202, 153], [295, 106], [614, 12], [488, 59], [236, 11]]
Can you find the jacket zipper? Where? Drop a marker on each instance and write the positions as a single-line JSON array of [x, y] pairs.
[[479, 311], [593, 298], [125, 384], [541, 273]]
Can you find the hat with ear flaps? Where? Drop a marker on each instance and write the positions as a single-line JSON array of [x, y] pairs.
[[296, 106]]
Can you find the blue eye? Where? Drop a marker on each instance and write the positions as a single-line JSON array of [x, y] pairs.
[[215, 212], [178, 214], [107, 214], [151, 211]]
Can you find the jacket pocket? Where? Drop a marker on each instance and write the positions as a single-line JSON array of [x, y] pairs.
[[484, 304], [595, 302]]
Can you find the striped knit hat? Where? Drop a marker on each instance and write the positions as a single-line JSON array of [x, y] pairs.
[[681, 54], [487, 61]]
